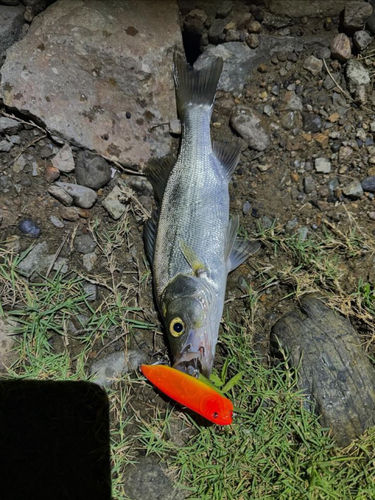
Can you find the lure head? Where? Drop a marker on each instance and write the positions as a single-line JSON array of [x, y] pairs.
[[189, 317], [217, 409]]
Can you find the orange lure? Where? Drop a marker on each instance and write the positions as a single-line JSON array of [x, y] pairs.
[[190, 392]]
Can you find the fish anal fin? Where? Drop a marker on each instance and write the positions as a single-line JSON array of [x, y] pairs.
[[228, 155], [196, 264], [149, 235], [157, 172], [241, 250]]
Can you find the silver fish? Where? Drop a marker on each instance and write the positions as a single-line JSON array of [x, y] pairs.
[[191, 240]]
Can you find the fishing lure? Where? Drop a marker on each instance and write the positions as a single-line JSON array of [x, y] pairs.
[[190, 392]]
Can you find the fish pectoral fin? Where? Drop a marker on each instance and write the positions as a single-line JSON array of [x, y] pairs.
[[241, 250], [231, 236], [192, 259], [158, 172], [149, 235], [228, 155]]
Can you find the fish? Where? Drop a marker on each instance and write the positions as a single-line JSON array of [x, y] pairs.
[[191, 392], [190, 240]]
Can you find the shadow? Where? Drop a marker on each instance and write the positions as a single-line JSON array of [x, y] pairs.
[[54, 441]]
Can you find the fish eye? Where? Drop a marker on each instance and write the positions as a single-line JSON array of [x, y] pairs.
[[215, 415], [176, 327]]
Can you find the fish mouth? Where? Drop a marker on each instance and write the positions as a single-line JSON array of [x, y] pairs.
[[195, 357]]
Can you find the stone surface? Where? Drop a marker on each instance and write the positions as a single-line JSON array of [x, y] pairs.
[[99, 74], [29, 228], [322, 165], [11, 22], [368, 184], [356, 15], [60, 194], [313, 64], [56, 222], [114, 203], [9, 126], [362, 39], [356, 75], [82, 196], [7, 355], [84, 243], [353, 189], [92, 170], [5, 146], [64, 160], [312, 8], [89, 260], [113, 365], [35, 260], [292, 101], [340, 48], [251, 127], [194, 21], [312, 123]]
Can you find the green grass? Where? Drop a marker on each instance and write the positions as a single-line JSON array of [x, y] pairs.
[[276, 448]]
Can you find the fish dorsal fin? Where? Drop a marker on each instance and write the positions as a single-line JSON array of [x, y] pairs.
[[241, 250], [192, 259], [228, 155], [149, 235], [232, 229], [195, 86], [158, 172]]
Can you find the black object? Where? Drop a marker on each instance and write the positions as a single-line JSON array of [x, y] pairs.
[[54, 441]]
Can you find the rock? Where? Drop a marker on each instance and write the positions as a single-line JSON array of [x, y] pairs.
[[254, 27], [224, 9], [89, 260], [245, 20], [312, 123], [84, 243], [5, 146], [368, 184], [353, 190], [291, 224], [56, 222], [322, 165], [11, 22], [194, 21], [52, 173], [293, 101], [323, 53], [92, 171], [19, 164], [175, 127], [69, 213], [64, 160], [268, 110], [15, 139], [356, 15], [309, 184], [28, 227], [302, 233], [313, 65], [356, 75], [371, 215], [46, 151], [362, 39], [7, 355], [251, 127], [252, 40], [371, 24], [99, 77], [233, 36], [82, 196], [113, 365], [216, 31], [35, 260], [114, 203], [147, 479], [340, 48], [91, 291], [60, 194], [291, 120], [345, 153], [246, 207]]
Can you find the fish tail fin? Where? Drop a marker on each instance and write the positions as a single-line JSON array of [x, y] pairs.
[[195, 87]]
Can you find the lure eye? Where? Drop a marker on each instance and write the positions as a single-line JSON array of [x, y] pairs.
[[215, 415], [176, 327]]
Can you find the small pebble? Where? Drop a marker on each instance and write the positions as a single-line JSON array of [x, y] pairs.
[[246, 207], [28, 227], [56, 222]]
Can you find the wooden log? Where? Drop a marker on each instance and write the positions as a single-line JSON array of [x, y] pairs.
[[334, 370]]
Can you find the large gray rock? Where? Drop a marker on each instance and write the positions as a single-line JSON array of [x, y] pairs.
[[251, 127], [99, 74], [83, 197], [356, 75], [240, 60], [11, 22], [356, 15], [92, 170]]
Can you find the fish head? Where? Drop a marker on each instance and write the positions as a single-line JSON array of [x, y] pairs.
[[187, 314]]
